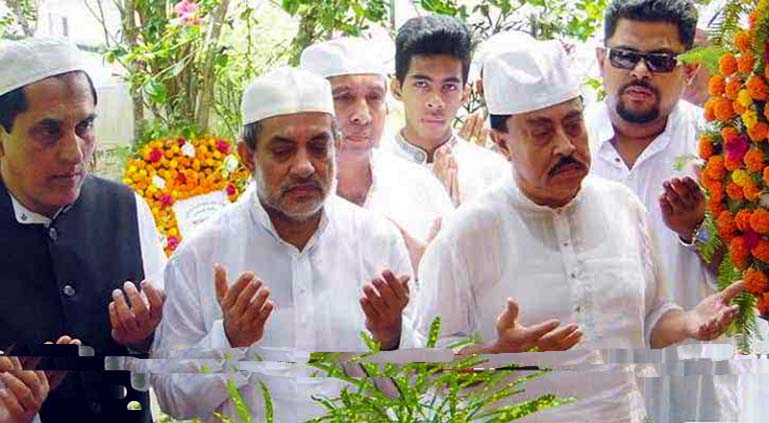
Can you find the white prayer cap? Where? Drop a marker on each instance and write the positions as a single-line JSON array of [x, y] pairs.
[[31, 60], [286, 91], [495, 45], [529, 76], [343, 56]]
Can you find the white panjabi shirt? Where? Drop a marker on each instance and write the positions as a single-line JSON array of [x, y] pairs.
[[406, 193], [316, 294], [591, 262], [689, 280], [478, 168]]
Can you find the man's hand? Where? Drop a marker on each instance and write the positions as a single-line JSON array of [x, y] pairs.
[[245, 307], [383, 302], [712, 317], [474, 129], [446, 170], [546, 336], [134, 324], [55, 377], [22, 392], [683, 206]]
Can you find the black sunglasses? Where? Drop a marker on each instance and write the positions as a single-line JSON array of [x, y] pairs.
[[656, 62]]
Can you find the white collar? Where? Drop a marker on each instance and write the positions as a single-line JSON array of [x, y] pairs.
[[415, 153], [260, 217], [604, 128], [25, 216], [520, 201]]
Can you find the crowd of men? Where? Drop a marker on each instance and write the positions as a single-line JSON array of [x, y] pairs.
[[574, 234]]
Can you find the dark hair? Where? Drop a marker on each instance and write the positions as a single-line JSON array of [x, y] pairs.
[[682, 13], [13, 103], [433, 35], [251, 132], [499, 122]]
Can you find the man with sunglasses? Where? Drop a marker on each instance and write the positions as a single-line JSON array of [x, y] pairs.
[[638, 134]]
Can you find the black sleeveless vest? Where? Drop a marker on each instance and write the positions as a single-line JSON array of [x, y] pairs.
[[58, 281]]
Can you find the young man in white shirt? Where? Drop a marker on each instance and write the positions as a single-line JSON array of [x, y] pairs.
[[314, 269], [551, 245], [368, 176], [432, 63]]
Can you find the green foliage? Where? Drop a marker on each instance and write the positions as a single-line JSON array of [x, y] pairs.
[[428, 392], [321, 19], [706, 56], [729, 23]]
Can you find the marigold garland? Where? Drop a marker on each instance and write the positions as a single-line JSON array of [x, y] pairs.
[[735, 171], [167, 170]]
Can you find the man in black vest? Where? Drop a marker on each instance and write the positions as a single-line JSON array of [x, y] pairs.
[[72, 246]]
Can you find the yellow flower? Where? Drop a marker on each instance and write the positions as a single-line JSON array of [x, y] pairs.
[[750, 118], [744, 98], [740, 177]]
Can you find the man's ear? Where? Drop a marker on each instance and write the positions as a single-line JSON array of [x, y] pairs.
[[499, 140], [600, 55], [395, 88], [690, 72], [246, 155], [4, 138]]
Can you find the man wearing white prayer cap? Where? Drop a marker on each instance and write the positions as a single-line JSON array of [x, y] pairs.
[[290, 269], [70, 243], [368, 176], [566, 258]]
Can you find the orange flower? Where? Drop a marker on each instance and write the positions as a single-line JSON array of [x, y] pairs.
[[715, 206], [726, 225], [715, 168], [716, 85], [766, 108], [763, 304], [728, 64], [756, 282], [746, 62], [759, 221], [729, 132], [742, 219], [710, 110], [739, 108], [739, 251], [761, 251], [757, 88], [723, 109], [734, 192], [759, 131], [706, 148], [752, 191], [732, 89], [732, 164], [742, 41], [754, 160], [752, 19]]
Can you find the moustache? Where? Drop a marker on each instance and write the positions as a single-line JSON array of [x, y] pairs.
[[308, 183], [642, 83], [565, 161]]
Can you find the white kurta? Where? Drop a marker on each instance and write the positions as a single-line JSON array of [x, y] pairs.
[[689, 281], [316, 294], [406, 193], [478, 168], [591, 262]]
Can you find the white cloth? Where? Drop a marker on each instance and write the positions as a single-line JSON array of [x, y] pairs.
[[406, 193], [493, 45], [286, 91], [343, 56], [591, 263], [34, 59], [689, 281], [153, 257], [528, 76], [478, 168], [316, 294]]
